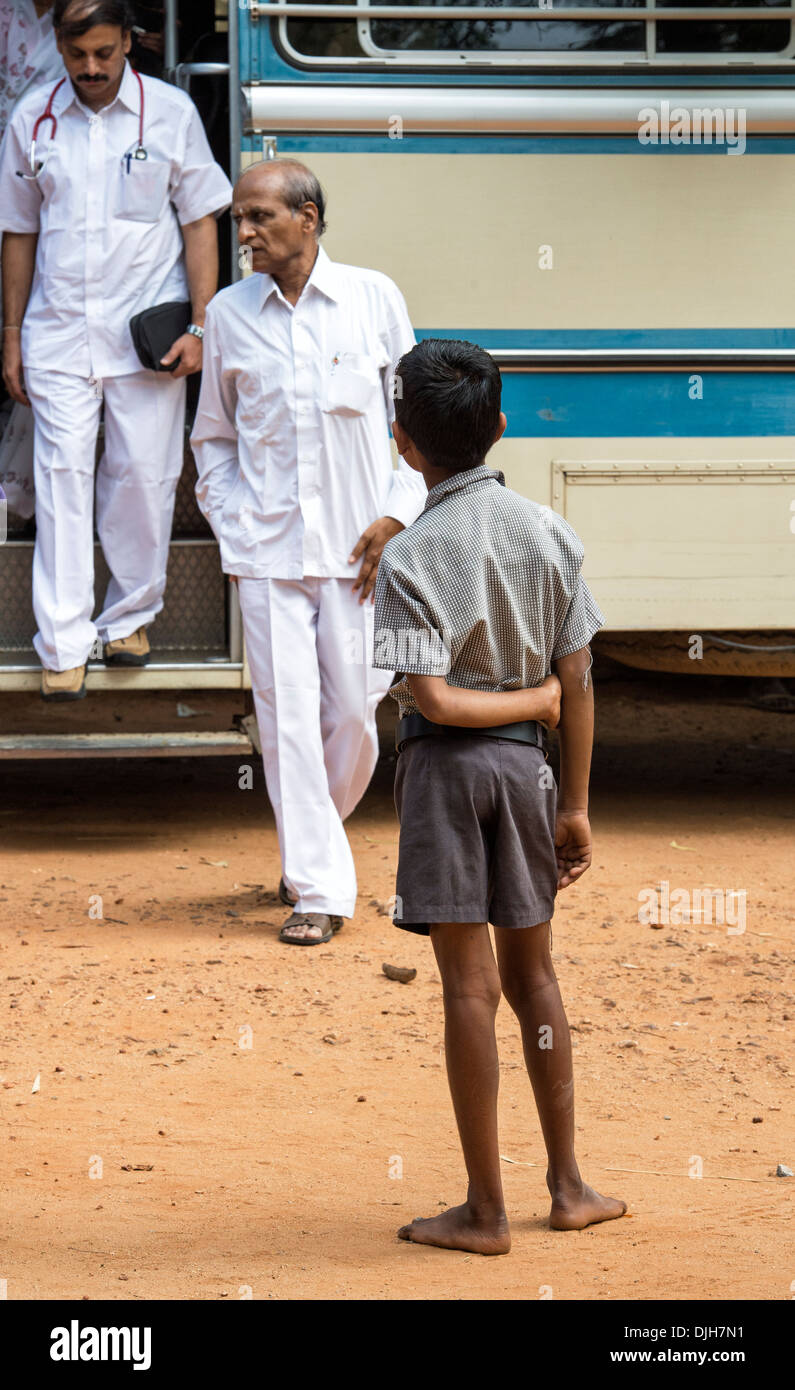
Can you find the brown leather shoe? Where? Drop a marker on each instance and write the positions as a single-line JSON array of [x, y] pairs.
[[128, 651], [63, 685]]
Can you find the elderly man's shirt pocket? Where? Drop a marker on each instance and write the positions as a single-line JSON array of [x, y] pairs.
[[141, 192], [351, 385]]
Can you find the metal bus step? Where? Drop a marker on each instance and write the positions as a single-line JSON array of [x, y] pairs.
[[149, 745], [167, 670]]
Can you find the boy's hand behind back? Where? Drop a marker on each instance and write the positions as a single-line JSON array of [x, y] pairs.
[[552, 689], [572, 845]]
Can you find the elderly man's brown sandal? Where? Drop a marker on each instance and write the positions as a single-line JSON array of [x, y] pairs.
[[284, 896], [327, 926]]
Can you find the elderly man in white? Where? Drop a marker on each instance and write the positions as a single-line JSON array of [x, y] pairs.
[[296, 478], [115, 213]]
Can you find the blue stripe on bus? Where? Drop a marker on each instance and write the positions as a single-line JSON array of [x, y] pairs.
[[564, 339], [648, 404], [510, 144]]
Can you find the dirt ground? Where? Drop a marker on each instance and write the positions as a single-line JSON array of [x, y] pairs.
[[305, 1115]]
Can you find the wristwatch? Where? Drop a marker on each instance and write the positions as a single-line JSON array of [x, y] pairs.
[[195, 330]]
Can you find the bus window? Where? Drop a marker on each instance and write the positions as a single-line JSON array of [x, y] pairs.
[[549, 42], [767, 38], [518, 36]]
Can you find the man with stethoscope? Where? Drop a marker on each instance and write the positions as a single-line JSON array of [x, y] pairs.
[[109, 196]]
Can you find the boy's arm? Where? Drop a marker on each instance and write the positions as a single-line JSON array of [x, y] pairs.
[[404, 620], [480, 709], [575, 731]]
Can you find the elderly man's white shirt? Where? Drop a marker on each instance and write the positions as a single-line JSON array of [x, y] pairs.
[[109, 241], [292, 433]]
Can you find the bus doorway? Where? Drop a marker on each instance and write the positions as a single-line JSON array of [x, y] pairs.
[[192, 695]]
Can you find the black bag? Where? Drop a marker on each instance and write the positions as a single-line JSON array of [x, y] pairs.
[[155, 330]]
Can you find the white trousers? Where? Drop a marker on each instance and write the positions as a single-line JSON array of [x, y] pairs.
[[309, 644], [136, 481]]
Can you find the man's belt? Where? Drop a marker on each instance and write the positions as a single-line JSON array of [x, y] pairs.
[[417, 726]]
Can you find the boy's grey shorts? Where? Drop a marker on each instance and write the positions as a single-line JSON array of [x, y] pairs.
[[477, 833]]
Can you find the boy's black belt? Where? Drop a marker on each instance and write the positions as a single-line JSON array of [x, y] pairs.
[[417, 726]]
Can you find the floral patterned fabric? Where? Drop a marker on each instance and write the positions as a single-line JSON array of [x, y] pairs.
[[28, 54]]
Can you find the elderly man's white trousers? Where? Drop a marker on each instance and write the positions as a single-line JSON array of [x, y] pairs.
[[309, 644], [136, 481]]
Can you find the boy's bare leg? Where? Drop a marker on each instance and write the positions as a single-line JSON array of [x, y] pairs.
[[471, 988], [531, 988]]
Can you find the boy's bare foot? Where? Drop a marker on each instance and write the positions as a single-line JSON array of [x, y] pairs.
[[573, 1210], [459, 1229], [553, 689]]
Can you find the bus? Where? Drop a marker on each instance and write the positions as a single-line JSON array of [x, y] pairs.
[[601, 195]]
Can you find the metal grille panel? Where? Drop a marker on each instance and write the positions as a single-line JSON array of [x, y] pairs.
[[193, 617], [188, 520]]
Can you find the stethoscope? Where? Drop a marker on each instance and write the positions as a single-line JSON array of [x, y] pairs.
[[49, 115]]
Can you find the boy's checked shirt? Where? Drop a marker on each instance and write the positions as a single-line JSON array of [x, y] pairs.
[[484, 588]]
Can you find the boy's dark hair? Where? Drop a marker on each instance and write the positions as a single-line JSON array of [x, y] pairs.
[[447, 399], [115, 12]]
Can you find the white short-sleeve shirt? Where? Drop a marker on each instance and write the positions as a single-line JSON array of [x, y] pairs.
[[109, 226]]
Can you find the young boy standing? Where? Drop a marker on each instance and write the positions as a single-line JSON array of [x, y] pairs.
[[475, 602]]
